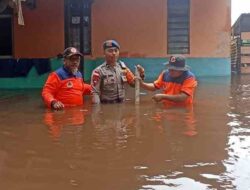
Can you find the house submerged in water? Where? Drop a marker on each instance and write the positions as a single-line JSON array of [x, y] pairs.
[[147, 30]]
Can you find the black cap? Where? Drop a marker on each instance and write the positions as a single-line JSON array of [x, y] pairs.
[[70, 51]]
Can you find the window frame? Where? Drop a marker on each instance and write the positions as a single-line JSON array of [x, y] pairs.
[[179, 22], [85, 10]]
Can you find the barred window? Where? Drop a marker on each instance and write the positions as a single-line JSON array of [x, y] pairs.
[[78, 24], [178, 27]]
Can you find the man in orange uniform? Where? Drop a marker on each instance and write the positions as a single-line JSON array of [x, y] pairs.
[[65, 86], [108, 80], [178, 83]]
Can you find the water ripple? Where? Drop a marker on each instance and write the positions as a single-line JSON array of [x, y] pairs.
[[234, 123], [200, 165], [210, 176], [178, 183]]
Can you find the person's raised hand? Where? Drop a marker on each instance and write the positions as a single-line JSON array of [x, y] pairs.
[[141, 71]]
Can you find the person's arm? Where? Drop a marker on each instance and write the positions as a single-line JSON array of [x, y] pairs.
[[87, 89], [148, 86], [189, 86], [152, 86], [187, 90], [175, 98], [95, 85], [49, 90], [131, 77]]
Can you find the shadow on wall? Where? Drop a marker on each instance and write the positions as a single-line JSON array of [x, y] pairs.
[[26, 73], [10, 68]]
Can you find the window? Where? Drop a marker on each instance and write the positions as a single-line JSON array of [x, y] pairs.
[[78, 25], [86, 27], [178, 27], [245, 42], [6, 33]]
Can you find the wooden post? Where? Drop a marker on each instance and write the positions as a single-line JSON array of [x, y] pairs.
[[137, 87]]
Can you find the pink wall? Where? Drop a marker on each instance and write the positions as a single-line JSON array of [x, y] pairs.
[[140, 26], [210, 28], [43, 32]]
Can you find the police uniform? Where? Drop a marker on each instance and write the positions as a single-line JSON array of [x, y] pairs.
[[108, 82]]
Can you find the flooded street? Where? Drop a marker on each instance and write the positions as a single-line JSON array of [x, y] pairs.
[[128, 146]]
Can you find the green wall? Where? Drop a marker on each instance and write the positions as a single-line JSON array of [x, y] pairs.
[[201, 67]]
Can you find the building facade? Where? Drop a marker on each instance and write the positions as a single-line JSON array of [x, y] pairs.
[[149, 31], [240, 45]]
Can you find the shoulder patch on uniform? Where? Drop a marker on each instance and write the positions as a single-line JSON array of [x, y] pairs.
[[122, 65], [95, 77]]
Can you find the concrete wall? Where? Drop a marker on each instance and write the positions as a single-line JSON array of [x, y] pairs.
[[43, 33], [140, 26], [210, 28], [245, 35]]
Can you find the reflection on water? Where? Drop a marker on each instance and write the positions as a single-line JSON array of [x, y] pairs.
[[127, 146], [59, 121], [237, 164]]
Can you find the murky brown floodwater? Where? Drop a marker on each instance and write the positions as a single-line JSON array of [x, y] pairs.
[[128, 147]]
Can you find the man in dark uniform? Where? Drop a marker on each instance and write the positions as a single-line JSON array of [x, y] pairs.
[[108, 79]]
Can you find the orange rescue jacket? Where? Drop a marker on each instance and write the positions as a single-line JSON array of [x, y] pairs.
[[65, 87]]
